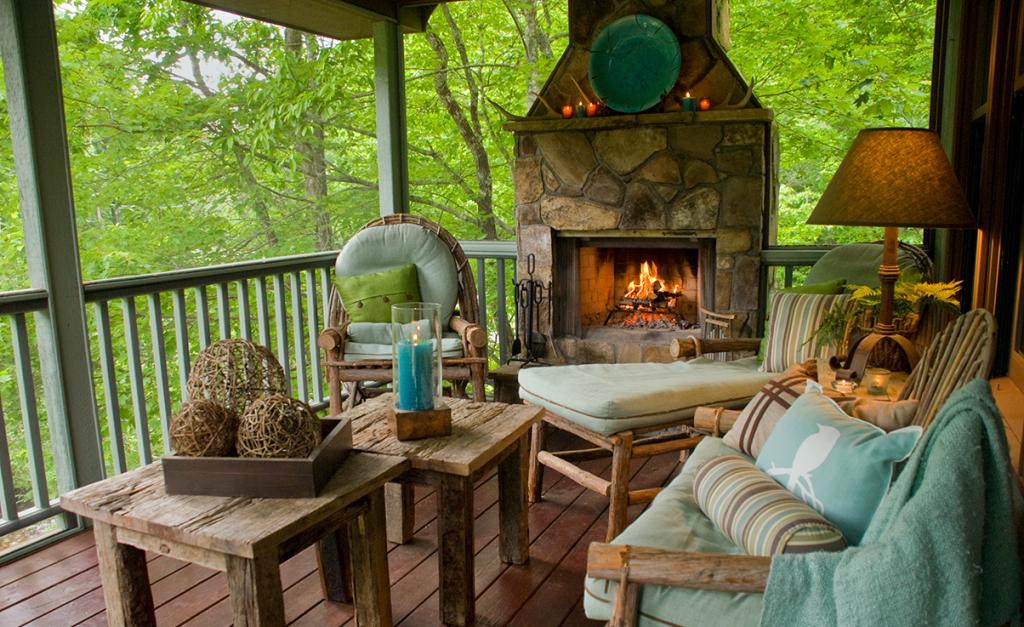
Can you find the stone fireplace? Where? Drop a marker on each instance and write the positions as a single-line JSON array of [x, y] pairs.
[[693, 193]]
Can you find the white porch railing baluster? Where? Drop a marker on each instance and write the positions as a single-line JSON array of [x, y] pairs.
[[131, 338], [203, 316], [297, 333], [30, 412], [312, 331], [8, 499], [244, 316], [163, 390], [181, 340], [110, 398], [263, 311], [223, 311], [282, 329]]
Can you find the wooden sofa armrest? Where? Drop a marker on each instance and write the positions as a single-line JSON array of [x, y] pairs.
[[715, 420], [665, 567], [695, 347], [474, 338], [332, 340]]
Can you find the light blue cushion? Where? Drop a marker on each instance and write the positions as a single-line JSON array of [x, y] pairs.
[[608, 398], [372, 340], [857, 263], [674, 521], [839, 465], [385, 247]]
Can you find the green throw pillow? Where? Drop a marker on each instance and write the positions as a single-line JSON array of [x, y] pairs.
[[840, 466], [369, 297], [828, 287]]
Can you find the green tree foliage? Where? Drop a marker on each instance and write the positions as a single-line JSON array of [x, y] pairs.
[[829, 68]]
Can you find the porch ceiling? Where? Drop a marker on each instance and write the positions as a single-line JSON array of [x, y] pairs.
[[352, 19]]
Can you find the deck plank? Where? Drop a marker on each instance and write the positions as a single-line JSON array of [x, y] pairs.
[[60, 585]]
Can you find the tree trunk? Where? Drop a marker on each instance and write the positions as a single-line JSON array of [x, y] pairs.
[[469, 131], [313, 166]]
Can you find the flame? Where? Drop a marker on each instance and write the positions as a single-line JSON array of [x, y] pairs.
[[650, 284]]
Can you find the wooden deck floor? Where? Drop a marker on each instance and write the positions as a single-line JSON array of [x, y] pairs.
[[60, 585]]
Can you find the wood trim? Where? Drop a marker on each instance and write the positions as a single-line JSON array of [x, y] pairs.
[[664, 567], [1016, 373]]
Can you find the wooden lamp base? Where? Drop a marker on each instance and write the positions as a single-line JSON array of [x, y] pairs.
[[416, 425]]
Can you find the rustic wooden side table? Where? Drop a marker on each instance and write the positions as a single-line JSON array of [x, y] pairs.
[[246, 538], [484, 435]]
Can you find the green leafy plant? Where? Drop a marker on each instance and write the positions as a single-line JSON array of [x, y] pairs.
[[910, 296]]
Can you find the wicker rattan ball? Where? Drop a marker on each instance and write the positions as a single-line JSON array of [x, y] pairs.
[[203, 428], [235, 372], [278, 426]]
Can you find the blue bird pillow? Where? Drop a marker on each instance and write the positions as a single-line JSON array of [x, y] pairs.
[[840, 466]]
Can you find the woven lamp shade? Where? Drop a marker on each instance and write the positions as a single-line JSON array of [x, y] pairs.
[[894, 177]]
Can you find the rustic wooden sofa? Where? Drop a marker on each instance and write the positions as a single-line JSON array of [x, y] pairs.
[[640, 410], [672, 566]]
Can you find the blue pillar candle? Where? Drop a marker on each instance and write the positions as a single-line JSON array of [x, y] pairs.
[[415, 374], [689, 103]]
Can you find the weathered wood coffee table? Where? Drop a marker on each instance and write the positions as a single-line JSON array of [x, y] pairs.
[[246, 538], [484, 435]]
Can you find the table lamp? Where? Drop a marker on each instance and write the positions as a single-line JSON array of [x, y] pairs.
[[892, 177]]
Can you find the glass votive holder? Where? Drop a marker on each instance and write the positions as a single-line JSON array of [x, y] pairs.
[[416, 355], [877, 380]]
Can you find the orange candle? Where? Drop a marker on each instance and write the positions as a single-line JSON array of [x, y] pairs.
[[591, 110], [705, 104], [567, 111]]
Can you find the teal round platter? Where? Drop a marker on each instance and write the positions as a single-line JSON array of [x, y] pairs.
[[634, 63]]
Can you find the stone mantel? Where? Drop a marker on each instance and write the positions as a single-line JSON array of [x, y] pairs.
[[541, 125]]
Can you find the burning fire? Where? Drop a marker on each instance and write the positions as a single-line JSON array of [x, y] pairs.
[[650, 285]]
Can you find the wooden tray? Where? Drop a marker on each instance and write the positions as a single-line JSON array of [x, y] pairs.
[[301, 477]]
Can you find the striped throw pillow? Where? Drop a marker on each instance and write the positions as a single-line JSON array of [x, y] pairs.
[[758, 514], [792, 321], [755, 423]]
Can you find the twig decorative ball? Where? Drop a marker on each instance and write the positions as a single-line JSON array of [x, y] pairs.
[[278, 426], [235, 372], [203, 428]]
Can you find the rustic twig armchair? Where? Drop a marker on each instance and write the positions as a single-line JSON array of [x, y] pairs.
[[361, 352], [962, 353]]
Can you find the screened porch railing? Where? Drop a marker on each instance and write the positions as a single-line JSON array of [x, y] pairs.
[[141, 358]]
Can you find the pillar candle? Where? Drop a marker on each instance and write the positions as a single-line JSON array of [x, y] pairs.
[[705, 104], [580, 110], [591, 110], [415, 375], [689, 103], [567, 111]]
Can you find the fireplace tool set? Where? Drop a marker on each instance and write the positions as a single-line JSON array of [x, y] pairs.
[[530, 294]]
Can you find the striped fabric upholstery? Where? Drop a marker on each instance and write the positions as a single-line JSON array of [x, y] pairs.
[[792, 321], [758, 514], [755, 423]]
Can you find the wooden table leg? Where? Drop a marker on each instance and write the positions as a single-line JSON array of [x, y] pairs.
[[400, 505], [125, 580], [332, 553], [455, 549], [513, 512], [257, 599], [536, 478], [370, 581]]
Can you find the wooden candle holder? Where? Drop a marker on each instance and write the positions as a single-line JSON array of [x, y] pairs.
[[416, 425]]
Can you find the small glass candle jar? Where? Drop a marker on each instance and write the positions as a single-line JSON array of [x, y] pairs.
[[844, 387], [416, 354], [877, 380]]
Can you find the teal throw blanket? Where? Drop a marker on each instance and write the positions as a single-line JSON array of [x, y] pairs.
[[942, 550]]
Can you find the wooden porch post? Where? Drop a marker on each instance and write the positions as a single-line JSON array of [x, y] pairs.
[[389, 89], [28, 45]]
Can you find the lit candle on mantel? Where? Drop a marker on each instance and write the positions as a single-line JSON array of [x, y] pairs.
[[580, 110], [567, 112], [689, 103], [705, 104], [591, 109]]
